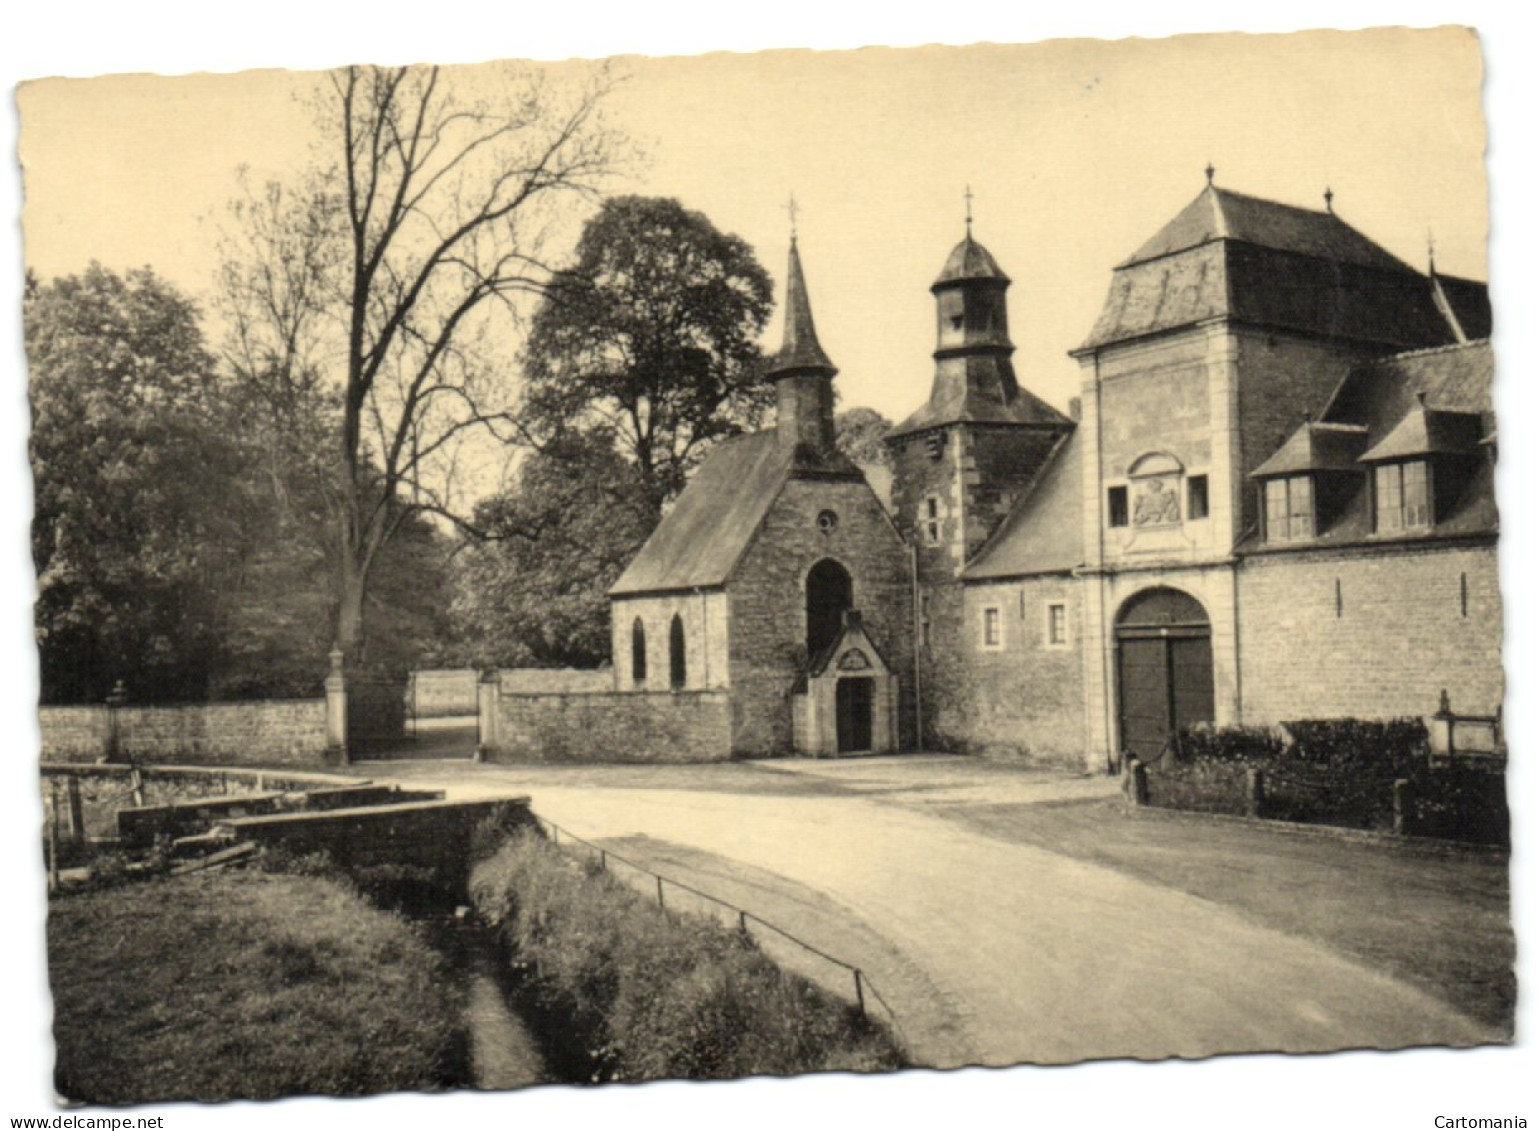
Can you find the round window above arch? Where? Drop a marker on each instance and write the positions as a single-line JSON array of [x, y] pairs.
[[827, 521]]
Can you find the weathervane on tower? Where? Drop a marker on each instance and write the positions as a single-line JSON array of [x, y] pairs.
[[968, 195], [792, 209]]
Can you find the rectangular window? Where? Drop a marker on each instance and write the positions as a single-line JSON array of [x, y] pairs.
[[1402, 496], [1289, 507], [1196, 497], [1116, 506], [993, 628], [1057, 625], [932, 520]]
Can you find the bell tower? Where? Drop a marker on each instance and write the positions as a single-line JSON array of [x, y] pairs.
[[963, 458]]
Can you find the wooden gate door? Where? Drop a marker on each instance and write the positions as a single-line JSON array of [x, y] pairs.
[[1145, 694], [1164, 670], [856, 698]]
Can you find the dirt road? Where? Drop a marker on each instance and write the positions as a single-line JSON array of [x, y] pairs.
[[991, 952]]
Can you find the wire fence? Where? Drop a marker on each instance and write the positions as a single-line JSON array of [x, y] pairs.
[[851, 983]]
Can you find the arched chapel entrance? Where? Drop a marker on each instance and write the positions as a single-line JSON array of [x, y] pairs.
[[829, 593], [1163, 669]]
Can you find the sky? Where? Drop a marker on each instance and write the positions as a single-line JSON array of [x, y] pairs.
[[1074, 156], [1075, 152]]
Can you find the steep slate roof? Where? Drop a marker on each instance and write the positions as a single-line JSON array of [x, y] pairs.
[[1258, 262], [1427, 431], [1042, 533], [800, 351], [964, 402], [1384, 397], [699, 542], [1220, 214], [969, 260], [1317, 446]]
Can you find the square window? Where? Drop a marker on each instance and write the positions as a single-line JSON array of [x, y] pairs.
[[1196, 497], [1116, 506]]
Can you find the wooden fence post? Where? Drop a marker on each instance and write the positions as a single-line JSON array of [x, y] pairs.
[[1254, 791], [1137, 779], [74, 810], [1402, 813]]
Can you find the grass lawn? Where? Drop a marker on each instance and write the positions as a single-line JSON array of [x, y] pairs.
[[1439, 921], [243, 984]]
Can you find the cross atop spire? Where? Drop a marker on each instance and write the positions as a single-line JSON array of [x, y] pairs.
[[1211, 172], [792, 209], [1329, 200], [968, 195]]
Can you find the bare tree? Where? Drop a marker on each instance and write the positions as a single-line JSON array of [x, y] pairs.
[[386, 284]]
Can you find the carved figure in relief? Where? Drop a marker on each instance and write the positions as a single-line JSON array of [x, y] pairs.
[[1156, 505]]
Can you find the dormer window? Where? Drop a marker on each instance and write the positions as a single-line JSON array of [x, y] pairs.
[[1401, 496], [1289, 508]]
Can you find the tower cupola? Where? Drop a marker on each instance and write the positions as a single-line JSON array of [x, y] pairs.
[[802, 373]]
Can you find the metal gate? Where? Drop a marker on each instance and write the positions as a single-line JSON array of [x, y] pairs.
[[1164, 670]]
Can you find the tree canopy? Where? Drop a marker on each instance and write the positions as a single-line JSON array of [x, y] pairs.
[[389, 276], [138, 512], [652, 336], [535, 593]]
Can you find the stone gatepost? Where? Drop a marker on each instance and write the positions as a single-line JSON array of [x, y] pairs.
[[115, 700], [336, 710], [488, 700]]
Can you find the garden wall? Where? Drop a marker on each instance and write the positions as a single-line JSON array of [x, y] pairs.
[[686, 726], [254, 733]]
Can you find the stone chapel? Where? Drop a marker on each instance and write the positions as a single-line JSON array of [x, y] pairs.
[[1272, 499]]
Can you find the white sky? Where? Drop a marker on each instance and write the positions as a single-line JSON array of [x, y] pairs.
[[1076, 151], [1075, 157]]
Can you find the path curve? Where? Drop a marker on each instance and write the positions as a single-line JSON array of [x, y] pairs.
[[1041, 958]]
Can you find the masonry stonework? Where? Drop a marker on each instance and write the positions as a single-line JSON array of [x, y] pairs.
[[768, 603], [1408, 623], [685, 726]]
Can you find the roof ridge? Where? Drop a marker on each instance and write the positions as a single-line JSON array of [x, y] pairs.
[[1450, 347], [1027, 493]]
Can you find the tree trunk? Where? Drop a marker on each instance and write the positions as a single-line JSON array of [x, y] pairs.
[[349, 619]]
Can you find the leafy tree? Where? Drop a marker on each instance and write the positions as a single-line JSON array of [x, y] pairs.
[[859, 433], [535, 594], [139, 515], [388, 276], [651, 336]]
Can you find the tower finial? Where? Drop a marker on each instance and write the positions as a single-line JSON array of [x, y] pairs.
[[1431, 251], [792, 209], [1211, 172], [968, 195], [1329, 200]]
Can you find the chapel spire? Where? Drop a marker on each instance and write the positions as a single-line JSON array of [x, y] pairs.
[[802, 372]]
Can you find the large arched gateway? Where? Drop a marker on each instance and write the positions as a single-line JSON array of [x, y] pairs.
[[1163, 669]]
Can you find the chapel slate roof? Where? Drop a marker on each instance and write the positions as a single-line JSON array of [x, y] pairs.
[[1273, 265], [1043, 533], [701, 539], [699, 542]]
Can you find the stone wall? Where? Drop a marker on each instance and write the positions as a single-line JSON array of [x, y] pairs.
[[768, 604], [255, 733], [1400, 633], [613, 727], [706, 647], [1022, 699], [552, 681], [441, 692]]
